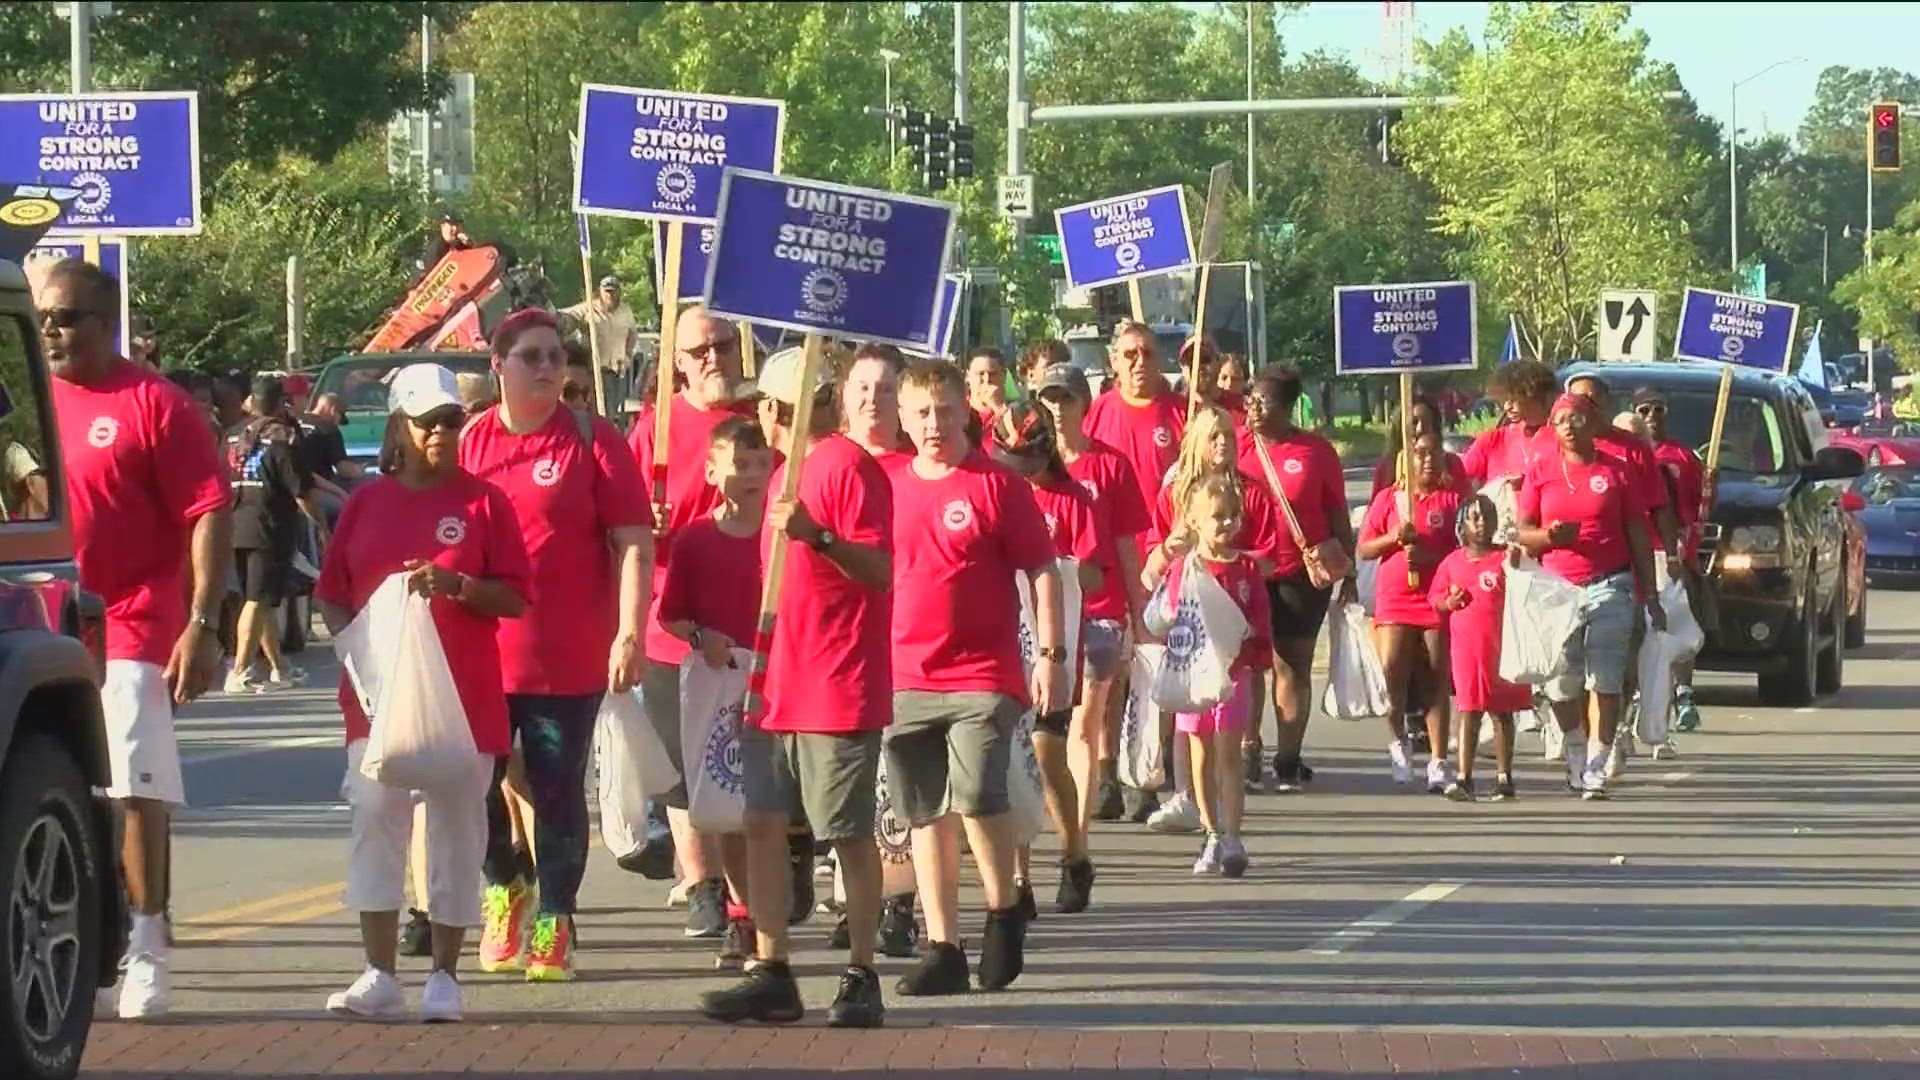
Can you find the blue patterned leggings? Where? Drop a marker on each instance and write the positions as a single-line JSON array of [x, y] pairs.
[[556, 741]]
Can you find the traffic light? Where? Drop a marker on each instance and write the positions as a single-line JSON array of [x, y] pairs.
[[914, 130], [1110, 306], [934, 155], [960, 160], [1883, 136]]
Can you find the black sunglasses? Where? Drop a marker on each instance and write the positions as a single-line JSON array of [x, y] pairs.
[[724, 347], [448, 419], [66, 318], [1649, 409]]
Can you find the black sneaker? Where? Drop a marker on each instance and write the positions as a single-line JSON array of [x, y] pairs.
[[1028, 909], [707, 909], [736, 946], [1139, 805], [767, 994], [800, 863], [858, 1003], [1460, 790], [1111, 805], [1003, 951], [899, 933], [416, 938], [654, 859], [1503, 789], [840, 937], [1076, 886], [942, 973], [1290, 777]]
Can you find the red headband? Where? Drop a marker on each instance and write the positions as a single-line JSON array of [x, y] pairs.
[[1577, 402]]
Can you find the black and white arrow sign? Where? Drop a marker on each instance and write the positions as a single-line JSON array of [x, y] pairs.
[[1627, 324]]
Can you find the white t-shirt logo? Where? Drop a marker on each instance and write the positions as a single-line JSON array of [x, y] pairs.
[[546, 472], [451, 531], [1292, 467], [1489, 581], [102, 432], [1597, 485], [957, 515], [1162, 437], [1433, 519]]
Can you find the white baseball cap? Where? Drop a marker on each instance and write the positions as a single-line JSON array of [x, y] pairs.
[[780, 376], [419, 389]]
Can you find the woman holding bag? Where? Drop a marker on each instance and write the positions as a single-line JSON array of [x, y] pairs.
[[457, 540], [1302, 470]]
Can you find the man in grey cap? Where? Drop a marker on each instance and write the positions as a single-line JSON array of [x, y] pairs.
[[614, 331]]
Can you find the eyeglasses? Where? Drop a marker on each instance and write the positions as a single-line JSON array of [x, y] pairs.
[[1136, 354], [65, 318], [449, 419], [1649, 409], [540, 358], [724, 347]]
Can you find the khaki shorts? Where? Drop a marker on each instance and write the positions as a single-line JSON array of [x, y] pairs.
[[828, 779], [660, 692], [949, 751]]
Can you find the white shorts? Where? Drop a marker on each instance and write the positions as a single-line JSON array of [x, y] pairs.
[[383, 823], [143, 755]]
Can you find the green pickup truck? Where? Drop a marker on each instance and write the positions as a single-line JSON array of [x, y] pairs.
[[359, 381]]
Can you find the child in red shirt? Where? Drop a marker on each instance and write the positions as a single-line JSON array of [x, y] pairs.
[[1209, 523], [1469, 590]]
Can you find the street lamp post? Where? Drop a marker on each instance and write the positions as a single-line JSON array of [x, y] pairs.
[[1733, 159], [887, 57]]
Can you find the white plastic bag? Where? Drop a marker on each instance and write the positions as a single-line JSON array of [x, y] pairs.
[[368, 645], [633, 766], [1069, 614], [710, 705], [1141, 753], [420, 739], [1207, 631], [1658, 653], [1356, 680], [1542, 612], [1366, 575], [1024, 791]]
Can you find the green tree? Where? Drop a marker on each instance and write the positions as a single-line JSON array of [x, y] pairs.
[[1556, 169], [1886, 296]]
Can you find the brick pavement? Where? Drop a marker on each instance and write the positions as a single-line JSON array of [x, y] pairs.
[[608, 1047]]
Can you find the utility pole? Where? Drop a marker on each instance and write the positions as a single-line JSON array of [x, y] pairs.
[[960, 63], [1251, 6], [427, 114], [81, 56], [1017, 100]]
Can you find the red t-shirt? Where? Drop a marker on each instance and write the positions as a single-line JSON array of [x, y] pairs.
[[958, 542], [985, 418], [1506, 451], [1473, 632], [1435, 517], [1261, 531], [1686, 479], [689, 497], [464, 524], [1596, 495], [1068, 511], [1241, 579], [568, 497], [1310, 476], [1385, 470], [1119, 515], [1631, 450], [714, 580], [141, 467], [829, 669], [1148, 436]]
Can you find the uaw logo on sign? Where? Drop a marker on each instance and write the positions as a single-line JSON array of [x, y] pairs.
[[1186, 638], [95, 193], [676, 184], [823, 291], [721, 761], [891, 833]]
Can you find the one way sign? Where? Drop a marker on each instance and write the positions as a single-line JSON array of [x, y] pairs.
[[1627, 324]]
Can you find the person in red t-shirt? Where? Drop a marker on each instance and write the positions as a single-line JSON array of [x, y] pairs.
[[1411, 529], [813, 755], [1208, 528], [964, 526], [1425, 418], [1470, 591], [585, 523], [986, 391], [458, 541], [706, 361], [1524, 389], [1142, 419], [1024, 442], [1663, 526], [1686, 491], [1580, 514], [1112, 612], [152, 534], [1307, 469]]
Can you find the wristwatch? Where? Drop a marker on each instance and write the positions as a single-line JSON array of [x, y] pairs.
[[823, 540], [202, 620], [1055, 653], [693, 639]]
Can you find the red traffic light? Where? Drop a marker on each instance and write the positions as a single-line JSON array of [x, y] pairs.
[[1886, 115], [1883, 136]]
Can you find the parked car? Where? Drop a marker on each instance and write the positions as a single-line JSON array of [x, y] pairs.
[[1881, 442], [359, 381], [1889, 502], [1776, 551], [65, 924]]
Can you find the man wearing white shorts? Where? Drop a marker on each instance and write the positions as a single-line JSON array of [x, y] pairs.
[[149, 496]]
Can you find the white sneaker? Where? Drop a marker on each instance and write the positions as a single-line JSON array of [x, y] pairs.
[[1616, 762], [375, 995], [677, 896], [1439, 775], [1553, 741], [1666, 751], [441, 1001], [1209, 862], [1576, 758], [1177, 815], [1397, 757], [1593, 785], [146, 984]]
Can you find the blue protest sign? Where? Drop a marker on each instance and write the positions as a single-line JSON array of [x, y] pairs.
[[828, 259], [1423, 326], [134, 156], [1736, 329], [660, 154], [946, 317], [1127, 236], [113, 259], [696, 247]]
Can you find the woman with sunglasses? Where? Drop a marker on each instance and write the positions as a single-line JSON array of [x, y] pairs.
[[586, 526], [458, 541]]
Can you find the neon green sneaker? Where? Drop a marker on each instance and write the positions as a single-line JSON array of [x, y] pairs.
[[505, 911], [551, 957]]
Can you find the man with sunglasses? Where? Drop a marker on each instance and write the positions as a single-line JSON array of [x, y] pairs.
[[1685, 478], [150, 503]]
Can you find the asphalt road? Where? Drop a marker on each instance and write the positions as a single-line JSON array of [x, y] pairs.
[[1758, 884]]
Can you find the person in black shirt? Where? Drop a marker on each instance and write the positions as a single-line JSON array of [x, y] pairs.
[[268, 486]]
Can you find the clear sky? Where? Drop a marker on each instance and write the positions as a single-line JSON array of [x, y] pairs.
[[1711, 45]]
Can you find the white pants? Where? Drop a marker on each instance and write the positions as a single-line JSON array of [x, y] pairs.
[[143, 756], [383, 828]]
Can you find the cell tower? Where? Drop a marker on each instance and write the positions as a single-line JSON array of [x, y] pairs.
[[1398, 25]]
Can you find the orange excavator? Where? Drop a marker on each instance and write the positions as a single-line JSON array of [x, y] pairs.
[[450, 307]]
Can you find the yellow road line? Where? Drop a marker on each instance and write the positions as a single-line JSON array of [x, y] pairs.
[[284, 909]]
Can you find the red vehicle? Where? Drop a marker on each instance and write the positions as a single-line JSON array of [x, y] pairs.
[[1855, 532], [1881, 442]]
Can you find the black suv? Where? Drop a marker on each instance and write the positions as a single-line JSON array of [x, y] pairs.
[[65, 923], [1775, 547]]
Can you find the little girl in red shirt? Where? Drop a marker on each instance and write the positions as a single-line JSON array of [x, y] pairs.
[[1209, 521], [1469, 590]]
